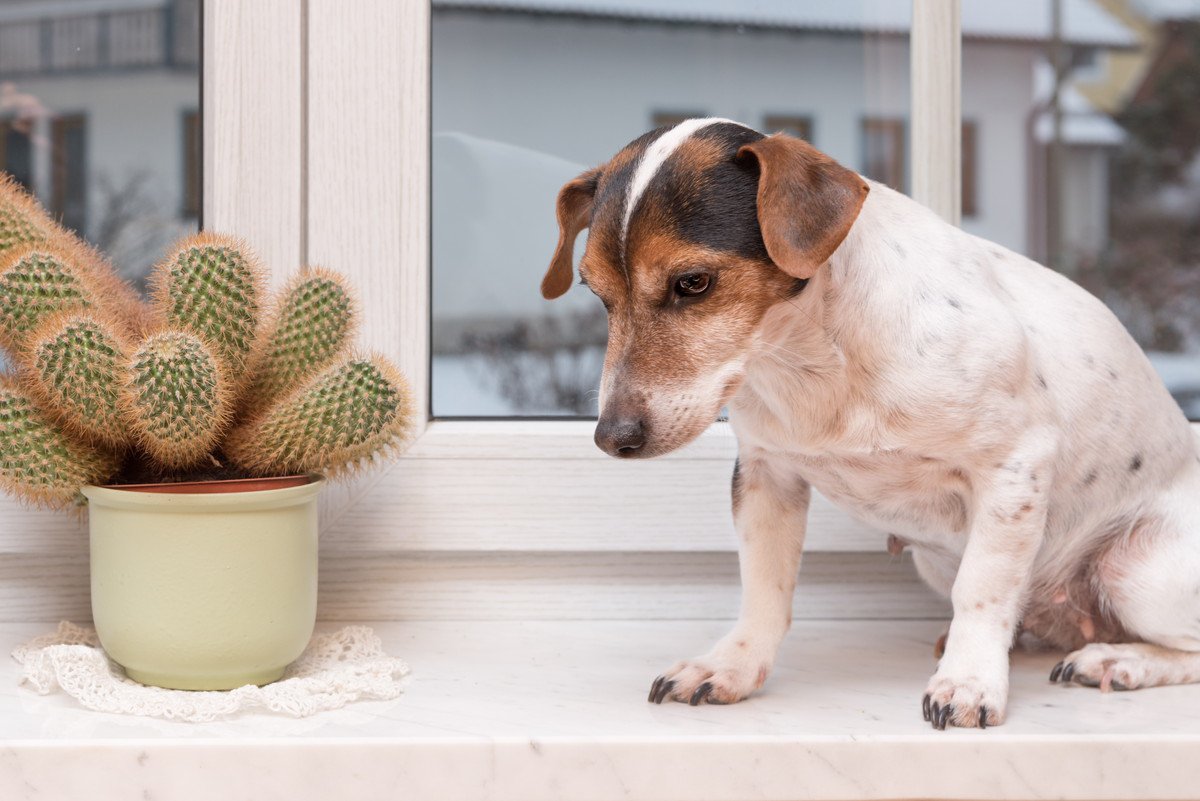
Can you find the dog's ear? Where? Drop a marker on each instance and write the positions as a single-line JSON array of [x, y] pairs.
[[574, 210], [806, 202]]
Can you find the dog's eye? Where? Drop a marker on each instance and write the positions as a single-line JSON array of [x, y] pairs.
[[693, 284]]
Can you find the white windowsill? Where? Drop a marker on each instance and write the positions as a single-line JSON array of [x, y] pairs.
[[542, 710]]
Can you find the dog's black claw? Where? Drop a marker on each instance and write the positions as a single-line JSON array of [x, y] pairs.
[[925, 706], [1068, 673], [944, 716], [701, 693], [983, 717], [1086, 681], [664, 690], [1116, 685], [654, 688], [1054, 674]]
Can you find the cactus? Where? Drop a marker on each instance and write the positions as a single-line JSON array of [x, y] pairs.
[[22, 220], [73, 365], [357, 408], [176, 398], [25, 227], [36, 282], [38, 462], [212, 285], [311, 325], [195, 385]]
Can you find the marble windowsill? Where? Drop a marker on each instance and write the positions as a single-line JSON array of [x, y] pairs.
[[543, 710]]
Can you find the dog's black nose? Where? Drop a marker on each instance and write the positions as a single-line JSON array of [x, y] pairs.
[[620, 436]]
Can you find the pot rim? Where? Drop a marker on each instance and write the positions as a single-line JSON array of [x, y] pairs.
[[217, 486], [118, 497]]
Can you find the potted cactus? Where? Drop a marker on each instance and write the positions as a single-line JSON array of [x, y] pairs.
[[196, 428]]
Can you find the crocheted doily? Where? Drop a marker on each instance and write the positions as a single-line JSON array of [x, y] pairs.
[[337, 668]]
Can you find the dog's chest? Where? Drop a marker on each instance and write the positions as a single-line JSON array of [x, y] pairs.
[[924, 500]]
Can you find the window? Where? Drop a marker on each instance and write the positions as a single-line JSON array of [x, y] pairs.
[[1086, 168], [16, 150], [191, 164], [884, 151], [526, 97], [69, 157], [90, 102], [791, 125], [970, 176]]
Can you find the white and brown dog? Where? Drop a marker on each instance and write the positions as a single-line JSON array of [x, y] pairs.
[[990, 412]]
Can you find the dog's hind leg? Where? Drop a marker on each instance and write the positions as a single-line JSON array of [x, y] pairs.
[[1150, 578], [770, 513]]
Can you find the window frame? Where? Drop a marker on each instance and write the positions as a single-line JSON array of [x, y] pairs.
[[357, 98]]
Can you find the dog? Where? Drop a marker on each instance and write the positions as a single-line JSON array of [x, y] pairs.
[[992, 414]]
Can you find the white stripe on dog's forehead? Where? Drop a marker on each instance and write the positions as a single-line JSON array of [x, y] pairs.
[[653, 159]]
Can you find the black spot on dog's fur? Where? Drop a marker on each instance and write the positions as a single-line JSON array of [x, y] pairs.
[[955, 303], [718, 207], [1090, 478], [896, 246], [1112, 374], [1135, 464], [1041, 379]]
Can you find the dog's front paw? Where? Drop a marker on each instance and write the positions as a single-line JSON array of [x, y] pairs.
[[965, 701], [727, 674]]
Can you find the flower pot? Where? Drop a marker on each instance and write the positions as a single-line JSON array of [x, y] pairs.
[[205, 586]]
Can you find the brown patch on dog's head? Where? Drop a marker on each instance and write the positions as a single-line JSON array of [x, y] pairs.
[[806, 202], [707, 214]]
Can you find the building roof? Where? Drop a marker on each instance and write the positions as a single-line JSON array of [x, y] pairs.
[[1084, 22]]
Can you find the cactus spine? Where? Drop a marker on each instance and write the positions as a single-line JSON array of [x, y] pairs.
[[74, 365], [357, 408], [212, 285], [38, 462], [176, 398]]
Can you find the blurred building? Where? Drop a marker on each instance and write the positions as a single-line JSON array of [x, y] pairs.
[[99, 116]]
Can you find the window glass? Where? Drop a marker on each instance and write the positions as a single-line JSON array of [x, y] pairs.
[[99, 117], [1085, 156], [528, 94]]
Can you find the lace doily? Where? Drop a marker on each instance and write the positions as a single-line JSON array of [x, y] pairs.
[[337, 667]]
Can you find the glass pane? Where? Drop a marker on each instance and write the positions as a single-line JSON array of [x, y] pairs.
[[1094, 168], [527, 95], [99, 116]]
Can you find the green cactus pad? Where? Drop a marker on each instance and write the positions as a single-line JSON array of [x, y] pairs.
[[212, 285], [36, 283], [356, 409], [22, 220], [175, 398], [38, 462], [74, 366], [312, 325]]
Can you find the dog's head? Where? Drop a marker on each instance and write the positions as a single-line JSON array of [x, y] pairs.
[[695, 231]]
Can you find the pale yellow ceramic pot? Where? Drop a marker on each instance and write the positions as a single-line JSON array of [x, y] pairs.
[[207, 586]]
